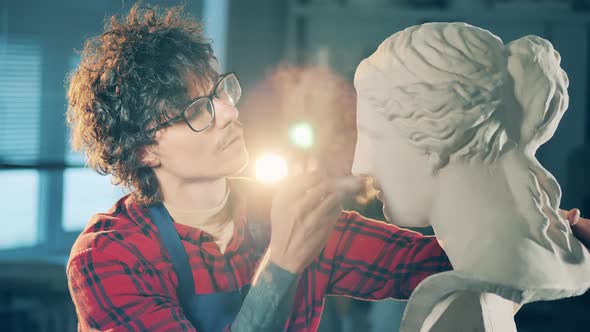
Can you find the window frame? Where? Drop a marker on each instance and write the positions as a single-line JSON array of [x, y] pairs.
[[53, 240]]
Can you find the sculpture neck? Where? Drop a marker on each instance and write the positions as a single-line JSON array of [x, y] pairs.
[[475, 217]]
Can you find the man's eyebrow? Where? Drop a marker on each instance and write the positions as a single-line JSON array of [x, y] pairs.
[[214, 81]]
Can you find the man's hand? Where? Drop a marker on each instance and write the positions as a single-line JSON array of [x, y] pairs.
[[303, 214], [580, 226]]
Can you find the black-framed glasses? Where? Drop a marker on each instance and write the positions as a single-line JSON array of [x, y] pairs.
[[200, 114]]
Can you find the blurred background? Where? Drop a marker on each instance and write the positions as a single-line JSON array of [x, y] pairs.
[[295, 60]]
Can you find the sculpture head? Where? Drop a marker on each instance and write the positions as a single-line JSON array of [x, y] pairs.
[[443, 94]]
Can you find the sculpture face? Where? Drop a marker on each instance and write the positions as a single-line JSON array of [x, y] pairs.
[[401, 172]]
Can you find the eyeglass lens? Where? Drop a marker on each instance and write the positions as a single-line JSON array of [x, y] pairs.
[[229, 90], [200, 113]]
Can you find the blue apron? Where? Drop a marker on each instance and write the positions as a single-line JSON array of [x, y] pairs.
[[207, 312]]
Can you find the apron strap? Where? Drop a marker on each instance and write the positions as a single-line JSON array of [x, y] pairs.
[[260, 234], [171, 240]]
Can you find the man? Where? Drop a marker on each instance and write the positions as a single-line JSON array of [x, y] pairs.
[[149, 108]]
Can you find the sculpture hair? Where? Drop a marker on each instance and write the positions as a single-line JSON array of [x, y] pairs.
[[444, 109], [535, 67]]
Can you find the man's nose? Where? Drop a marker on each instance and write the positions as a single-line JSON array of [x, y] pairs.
[[224, 113]]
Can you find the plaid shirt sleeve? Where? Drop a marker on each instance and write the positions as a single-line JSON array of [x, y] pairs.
[[374, 260], [115, 290]]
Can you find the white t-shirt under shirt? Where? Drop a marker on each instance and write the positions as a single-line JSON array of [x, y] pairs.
[[216, 221]]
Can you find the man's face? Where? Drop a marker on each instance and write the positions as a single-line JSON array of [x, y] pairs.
[[214, 153]]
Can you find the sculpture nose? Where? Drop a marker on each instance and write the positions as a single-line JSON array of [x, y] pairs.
[[363, 157]]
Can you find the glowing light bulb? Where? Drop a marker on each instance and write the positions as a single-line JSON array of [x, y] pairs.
[[271, 168]]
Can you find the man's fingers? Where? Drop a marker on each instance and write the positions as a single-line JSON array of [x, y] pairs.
[[580, 226], [330, 204], [299, 184], [581, 231], [314, 196], [348, 185], [573, 216], [341, 186]]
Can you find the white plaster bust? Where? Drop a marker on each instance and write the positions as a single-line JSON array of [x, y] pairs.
[[449, 120]]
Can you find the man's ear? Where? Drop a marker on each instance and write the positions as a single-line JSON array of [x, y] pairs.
[[148, 155]]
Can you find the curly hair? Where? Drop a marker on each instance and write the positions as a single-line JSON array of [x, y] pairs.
[[132, 76]]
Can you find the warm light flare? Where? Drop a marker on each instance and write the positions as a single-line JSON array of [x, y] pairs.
[[271, 168]]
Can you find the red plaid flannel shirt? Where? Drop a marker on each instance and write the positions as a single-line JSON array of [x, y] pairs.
[[121, 278]]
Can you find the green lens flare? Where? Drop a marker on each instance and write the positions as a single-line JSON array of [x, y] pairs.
[[301, 135]]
